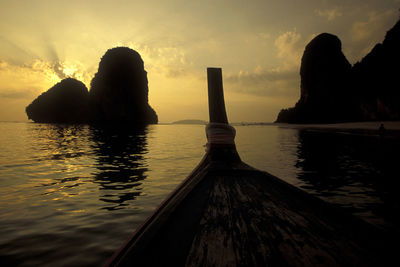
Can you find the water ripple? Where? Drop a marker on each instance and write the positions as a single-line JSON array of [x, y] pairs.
[[71, 195]]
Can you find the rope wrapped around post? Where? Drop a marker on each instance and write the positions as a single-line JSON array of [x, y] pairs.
[[220, 134]]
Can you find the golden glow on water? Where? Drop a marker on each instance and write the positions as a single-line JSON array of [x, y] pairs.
[[78, 211], [83, 190]]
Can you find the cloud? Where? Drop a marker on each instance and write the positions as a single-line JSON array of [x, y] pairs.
[[28, 80], [280, 81], [263, 82], [259, 75], [14, 53], [3, 64], [54, 59], [375, 23], [72, 69], [366, 33], [24, 81], [329, 14], [290, 47], [10, 93], [168, 60], [58, 69]]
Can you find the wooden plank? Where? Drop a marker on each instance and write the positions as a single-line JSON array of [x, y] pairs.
[[216, 102], [229, 214], [250, 220], [237, 216]]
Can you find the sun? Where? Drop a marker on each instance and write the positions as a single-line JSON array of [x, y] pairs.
[[69, 69], [53, 78]]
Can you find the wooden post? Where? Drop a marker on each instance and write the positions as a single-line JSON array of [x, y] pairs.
[[220, 135], [216, 103]]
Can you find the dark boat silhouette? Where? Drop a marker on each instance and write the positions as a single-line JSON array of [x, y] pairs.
[[226, 213]]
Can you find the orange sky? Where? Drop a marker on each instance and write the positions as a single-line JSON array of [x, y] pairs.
[[258, 44]]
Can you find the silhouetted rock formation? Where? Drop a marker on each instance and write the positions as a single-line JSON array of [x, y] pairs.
[[324, 76], [333, 91], [119, 93], [324, 73], [377, 79], [119, 90], [190, 122], [65, 102]]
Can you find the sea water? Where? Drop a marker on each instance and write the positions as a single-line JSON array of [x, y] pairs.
[[70, 195]]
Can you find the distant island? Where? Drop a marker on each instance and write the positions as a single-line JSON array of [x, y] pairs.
[[334, 91], [201, 122], [118, 94], [243, 123]]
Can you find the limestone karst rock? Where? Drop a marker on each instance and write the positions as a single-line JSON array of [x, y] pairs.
[[65, 102], [119, 89], [333, 91], [119, 94], [324, 77], [376, 79]]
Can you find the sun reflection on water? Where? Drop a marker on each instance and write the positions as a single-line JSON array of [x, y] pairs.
[[81, 190]]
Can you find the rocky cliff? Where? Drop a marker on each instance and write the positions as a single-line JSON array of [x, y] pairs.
[[119, 89], [334, 91], [119, 93], [376, 79], [65, 102]]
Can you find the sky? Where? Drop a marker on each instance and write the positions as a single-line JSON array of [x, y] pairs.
[[257, 43]]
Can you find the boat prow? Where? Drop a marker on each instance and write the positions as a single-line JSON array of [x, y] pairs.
[[226, 213]]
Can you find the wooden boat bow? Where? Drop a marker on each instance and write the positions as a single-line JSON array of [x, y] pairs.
[[226, 213]]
